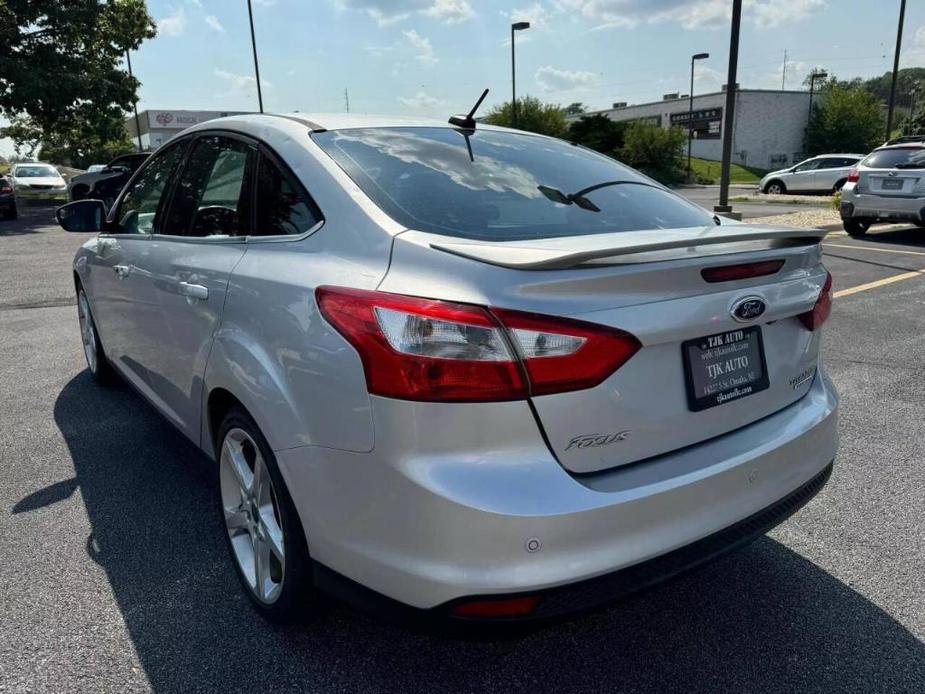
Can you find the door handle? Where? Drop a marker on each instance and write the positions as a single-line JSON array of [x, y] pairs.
[[122, 271], [194, 291]]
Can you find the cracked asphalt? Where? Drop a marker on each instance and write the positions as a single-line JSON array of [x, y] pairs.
[[114, 578]]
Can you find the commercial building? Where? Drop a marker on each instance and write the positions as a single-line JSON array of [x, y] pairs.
[[768, 129], [158, 126]]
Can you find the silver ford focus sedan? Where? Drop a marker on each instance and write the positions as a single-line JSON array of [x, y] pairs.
[[458, 372]]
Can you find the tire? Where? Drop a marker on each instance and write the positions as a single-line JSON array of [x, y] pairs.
[[97, 362], [282, 590], [856, 228], [839, 185], [775, 187], [14, 213]]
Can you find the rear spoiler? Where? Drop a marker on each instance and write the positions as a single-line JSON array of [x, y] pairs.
[[623, 247]]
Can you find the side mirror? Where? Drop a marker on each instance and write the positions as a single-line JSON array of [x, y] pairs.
[[81, 215]]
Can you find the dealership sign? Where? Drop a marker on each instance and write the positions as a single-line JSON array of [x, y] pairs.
[[705, 123], [178, 120]]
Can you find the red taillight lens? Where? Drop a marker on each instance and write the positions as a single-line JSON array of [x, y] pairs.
[[510, 607], [727, 273], [854, 175], [820, 312], [423, 349], [561, 354], [420, 349]]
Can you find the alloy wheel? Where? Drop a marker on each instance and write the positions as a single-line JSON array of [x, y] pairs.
[[252, 517], [87, 331]]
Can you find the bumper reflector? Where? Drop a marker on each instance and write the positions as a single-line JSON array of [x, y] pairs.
[[505, 607]]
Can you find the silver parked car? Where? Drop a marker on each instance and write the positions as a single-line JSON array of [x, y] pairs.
[[38, 181], [823, 174], [464, 371], [887, 186]]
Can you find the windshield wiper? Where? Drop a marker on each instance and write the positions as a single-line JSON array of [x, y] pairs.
[[578, 198], [909, 166]]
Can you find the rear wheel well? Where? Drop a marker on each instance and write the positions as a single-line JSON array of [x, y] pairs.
[[220, 402]]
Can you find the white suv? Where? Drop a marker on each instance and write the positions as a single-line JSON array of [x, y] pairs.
[[823, 174], [887, 186]]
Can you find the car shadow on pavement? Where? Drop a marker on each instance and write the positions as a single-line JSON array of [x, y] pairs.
[[33, 219], [907, 236], [764, 618]]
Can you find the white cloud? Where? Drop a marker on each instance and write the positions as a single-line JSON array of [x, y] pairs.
[[707, 77], [265, 3], [239, 84], [387, 12], [195, 3], [691, 14], [450, 11], [536, 14], [914, 53], [172, 25], [423, 46], [553, 79], [420, 101], [213, 23]]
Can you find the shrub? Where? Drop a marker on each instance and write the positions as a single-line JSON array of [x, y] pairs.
[[657, 152]]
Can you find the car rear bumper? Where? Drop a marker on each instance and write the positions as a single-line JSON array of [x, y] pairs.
[[856, 205], [427, 521]]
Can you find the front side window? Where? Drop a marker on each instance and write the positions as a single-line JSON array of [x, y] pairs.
[[282, 206], [138, 211], [212, 195], [502, 186], [810, 165]]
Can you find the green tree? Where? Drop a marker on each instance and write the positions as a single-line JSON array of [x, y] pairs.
[[844, 119], [656, 151], [532, 115], [575, 108], [61, 80], [599, 133]]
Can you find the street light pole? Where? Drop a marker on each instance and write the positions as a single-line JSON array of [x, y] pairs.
[[812, 85], [729, 116], [250, 16], [690, 111], [128, 59], [899, 43], [516, 26]]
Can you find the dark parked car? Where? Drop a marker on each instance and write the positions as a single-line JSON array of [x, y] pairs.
[[7, 200], [105, 185]]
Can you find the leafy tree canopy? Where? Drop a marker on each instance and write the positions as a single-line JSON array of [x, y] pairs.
[[599, 133], [844, 119], [656, 151], [574, 109], [60, 72], [533, 115]]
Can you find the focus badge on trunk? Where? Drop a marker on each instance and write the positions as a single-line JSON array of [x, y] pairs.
[[747, 309]]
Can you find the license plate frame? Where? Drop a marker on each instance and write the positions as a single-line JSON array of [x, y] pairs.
[[752, 337], [891, 184]]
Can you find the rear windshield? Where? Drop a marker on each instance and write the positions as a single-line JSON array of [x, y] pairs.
[[501, 186], [898, 158], [34, 171]]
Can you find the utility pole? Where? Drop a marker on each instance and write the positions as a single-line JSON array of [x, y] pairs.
[[783, 76], [729, 116], [128, 59], [346, 101], [250, 16], [820, 75], [899, 43]]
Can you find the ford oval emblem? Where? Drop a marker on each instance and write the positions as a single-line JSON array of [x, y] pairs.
[[748, 309]]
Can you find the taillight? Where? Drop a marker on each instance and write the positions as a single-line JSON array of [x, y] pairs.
[[424, 349], [854, 175], [562, 354], [743, 271], [814, 318]]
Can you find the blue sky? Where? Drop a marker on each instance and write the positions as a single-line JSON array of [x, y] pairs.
[[433, 57]]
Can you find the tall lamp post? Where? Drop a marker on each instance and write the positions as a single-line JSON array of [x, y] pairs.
[[729, 114], [516, 26], [250, 16], [821, 75], [899, 43], [690, 111]]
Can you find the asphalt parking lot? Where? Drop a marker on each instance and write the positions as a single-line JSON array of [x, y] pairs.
[[114, 578]]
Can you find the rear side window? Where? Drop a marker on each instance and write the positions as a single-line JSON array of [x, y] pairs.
[[211, 197], [501, 186], [899, 158], [283, 208]]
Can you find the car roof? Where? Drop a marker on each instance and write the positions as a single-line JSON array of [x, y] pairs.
[[32, 163], [317, 122], [841, 154]]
